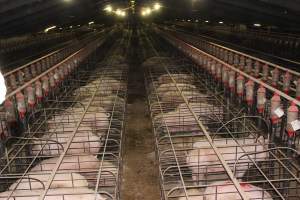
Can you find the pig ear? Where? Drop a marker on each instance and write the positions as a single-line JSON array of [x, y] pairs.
[[261, 139]]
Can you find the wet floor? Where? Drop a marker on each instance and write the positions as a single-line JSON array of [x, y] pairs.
[[140, 172]]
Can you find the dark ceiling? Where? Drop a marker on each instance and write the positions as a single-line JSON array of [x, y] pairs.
[[19, 16]]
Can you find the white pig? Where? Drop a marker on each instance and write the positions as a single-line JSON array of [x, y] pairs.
[[175, 97], [106, 103], [82, 193], [74, 162], [179, 78], [156, 62], [86, 165], [177, 122], [225, 190], [83, 142], [183, 141], [116, 59], [105, 84], [192, 193], [202, 110], [61, 180], [163, 88], [203, 161], [95, 117]]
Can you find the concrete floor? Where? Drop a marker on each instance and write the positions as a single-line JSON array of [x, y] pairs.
[[140, 172]]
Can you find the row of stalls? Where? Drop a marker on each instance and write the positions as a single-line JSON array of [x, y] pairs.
[[207, 145], [73, 144]]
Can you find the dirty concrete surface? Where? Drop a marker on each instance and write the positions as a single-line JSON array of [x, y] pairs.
[[140, 172]]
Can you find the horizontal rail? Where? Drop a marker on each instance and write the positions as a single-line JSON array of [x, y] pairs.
[[32, 62], [12, 93], [295, 73], [285, 80], [191, 50], [16, 77]]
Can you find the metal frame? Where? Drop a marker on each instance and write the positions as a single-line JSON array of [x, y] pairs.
[[78, 110], [277, 174], [234, 58]]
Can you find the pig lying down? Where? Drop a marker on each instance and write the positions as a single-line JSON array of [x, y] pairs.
[[82, 193], [204, 162], [61, 180], [83, 142], [225, 190], [179, 78], [74, 162], [87, 165]]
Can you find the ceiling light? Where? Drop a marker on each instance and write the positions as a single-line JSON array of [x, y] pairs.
[[157, 6], [108, 8], [206, 21], [50, 28], [92, 22], [123, 13], [118, 12], [148, 11], [257, 25], [220, 22]]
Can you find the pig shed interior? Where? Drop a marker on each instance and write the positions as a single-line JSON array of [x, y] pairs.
[[149, 99]]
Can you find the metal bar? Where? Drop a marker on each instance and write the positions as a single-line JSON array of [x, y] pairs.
[[32, 62], [274, 90]]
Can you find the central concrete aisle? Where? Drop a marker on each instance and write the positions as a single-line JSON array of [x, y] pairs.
[[140, 173]]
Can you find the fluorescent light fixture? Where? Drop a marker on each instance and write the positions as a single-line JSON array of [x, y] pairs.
[[188, 20], [118, 12], [70, 26], [92, 22], [108, 8], [123, 14], [49, 28], [221, 22], [257, 25], [148, 11], [3, 89], [206, 21], [157, 6]]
